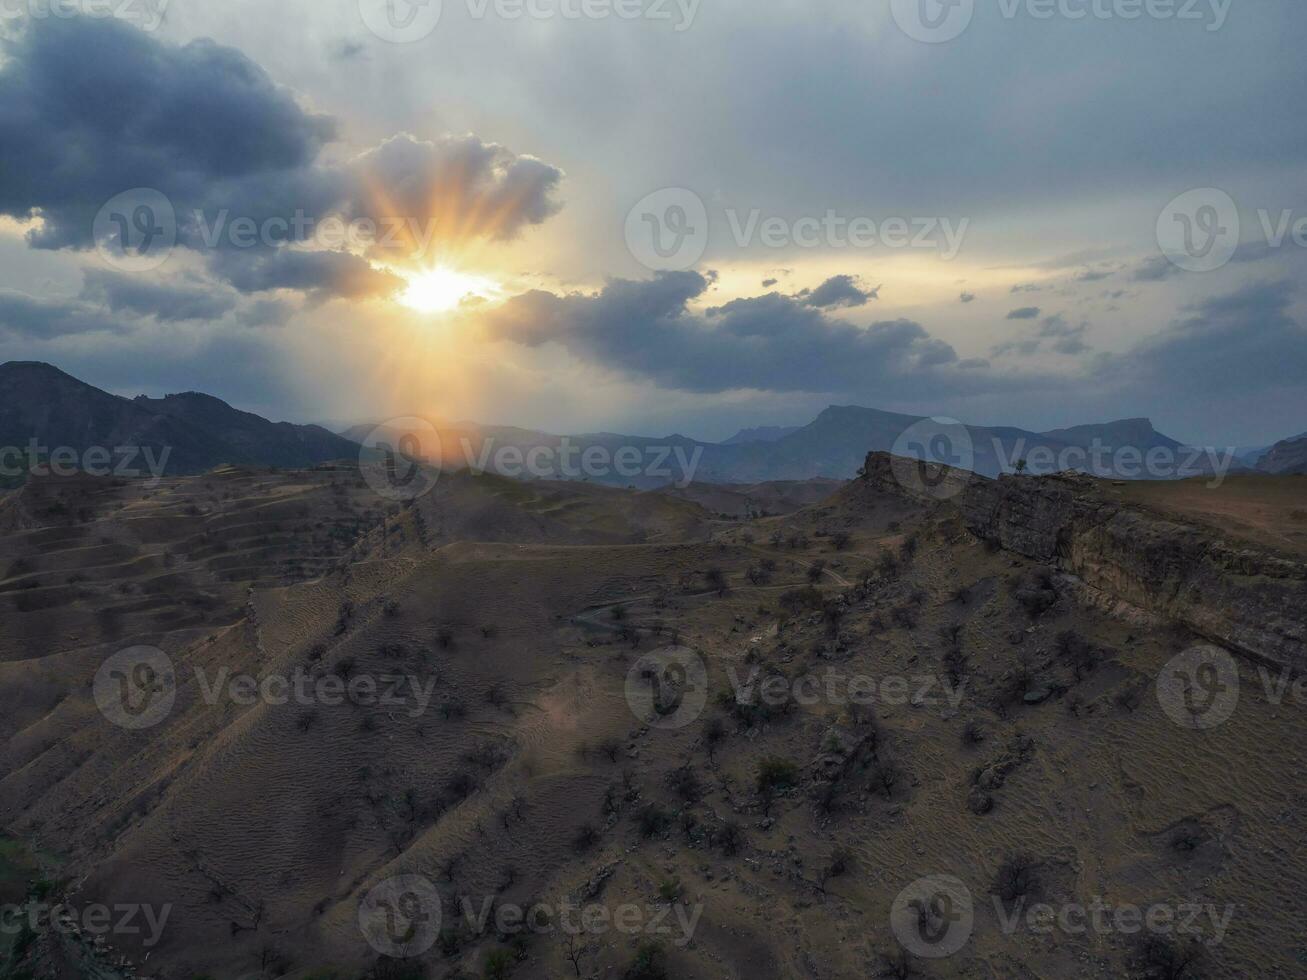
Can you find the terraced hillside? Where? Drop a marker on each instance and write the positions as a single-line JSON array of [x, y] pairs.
[[885, 697]]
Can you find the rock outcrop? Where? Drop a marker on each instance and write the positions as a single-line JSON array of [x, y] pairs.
[[1232, 593], [1286, 458]]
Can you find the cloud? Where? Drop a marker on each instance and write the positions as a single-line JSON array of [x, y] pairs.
[[322, 274], [646, 329], [1064, 338], [166, 301], [94, 107], [1155, 268], [118, 304], [1024, 313], [1095, 275], [347, 50], [839, 292], [768, 283], [1231, 344], [42, 319]]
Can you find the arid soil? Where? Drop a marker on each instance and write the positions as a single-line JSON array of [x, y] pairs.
[[889, 697]]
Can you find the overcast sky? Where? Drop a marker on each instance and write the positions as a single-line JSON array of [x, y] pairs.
[[666, 215]]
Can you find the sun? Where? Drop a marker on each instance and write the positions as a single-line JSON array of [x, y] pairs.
[[442, 288]]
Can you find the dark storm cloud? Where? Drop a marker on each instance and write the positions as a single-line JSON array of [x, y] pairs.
[[31, 318], [165, 301], [839, 292], [1157, 268], [322, 274], [772, 342], [1232, 344], [92, 108], [1025, 313], [117, 304], [1062, 337]]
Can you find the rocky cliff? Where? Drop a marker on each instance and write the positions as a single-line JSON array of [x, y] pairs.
[[1231, 593], [1288, 457]]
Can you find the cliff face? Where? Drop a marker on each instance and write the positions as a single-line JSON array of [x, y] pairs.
[[1241, 597], [1286, 457]]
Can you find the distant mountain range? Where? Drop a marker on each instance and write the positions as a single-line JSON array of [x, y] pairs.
[[38, 401], [1285, 458], [762, 433], [832, 446], [198, 432]]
